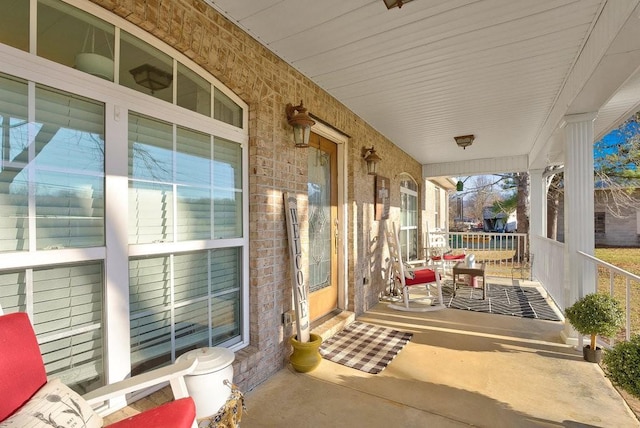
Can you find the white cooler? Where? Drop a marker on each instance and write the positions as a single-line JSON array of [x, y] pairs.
[[206, 383]]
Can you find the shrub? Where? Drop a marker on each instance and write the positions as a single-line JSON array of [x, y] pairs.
[[596, 315], [622, 365]]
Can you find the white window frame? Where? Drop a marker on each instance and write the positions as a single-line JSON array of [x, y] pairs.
[[118, 100]]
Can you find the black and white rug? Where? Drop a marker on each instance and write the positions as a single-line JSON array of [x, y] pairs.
[[365, 347], [525, 302]]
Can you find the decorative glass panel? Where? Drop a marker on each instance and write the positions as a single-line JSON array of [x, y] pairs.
[[319, 192], [76, 39]]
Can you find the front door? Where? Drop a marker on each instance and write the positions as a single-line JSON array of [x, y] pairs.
[[323, 226]]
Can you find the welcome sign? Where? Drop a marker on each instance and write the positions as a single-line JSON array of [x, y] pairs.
[[300, 291]]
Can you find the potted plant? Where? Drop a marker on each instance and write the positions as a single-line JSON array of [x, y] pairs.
[[595, 315], [622, 365]]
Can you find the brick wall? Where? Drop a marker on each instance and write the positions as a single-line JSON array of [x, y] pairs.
[[267, 84]]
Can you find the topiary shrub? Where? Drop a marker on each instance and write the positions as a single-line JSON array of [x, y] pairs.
[[596, 315], [622, 365]]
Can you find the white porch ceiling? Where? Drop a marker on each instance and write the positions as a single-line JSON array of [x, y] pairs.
[[506, 71]]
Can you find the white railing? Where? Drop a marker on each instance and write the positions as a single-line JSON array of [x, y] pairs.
[[614, 273], [548, 268], [507, 250]]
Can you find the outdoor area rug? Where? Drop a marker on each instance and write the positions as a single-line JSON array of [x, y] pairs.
[[365, 347], [525, 302]]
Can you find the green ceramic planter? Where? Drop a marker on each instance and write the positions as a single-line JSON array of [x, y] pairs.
[[306, 355]]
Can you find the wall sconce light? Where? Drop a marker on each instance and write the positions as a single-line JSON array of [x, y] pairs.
[[151, 77], [459, 186], [372, 159], [301, 123], [464, 141], [395, 3]]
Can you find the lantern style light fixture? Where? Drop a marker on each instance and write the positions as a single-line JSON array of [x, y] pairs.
[[395, 3], [301, 123], [372, 159], [151, 77], [459, 186], [464, 141]]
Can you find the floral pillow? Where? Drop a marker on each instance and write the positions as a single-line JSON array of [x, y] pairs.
[[55, 405]]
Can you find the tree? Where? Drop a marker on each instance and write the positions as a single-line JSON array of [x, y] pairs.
[[616, 169], [517, 186]]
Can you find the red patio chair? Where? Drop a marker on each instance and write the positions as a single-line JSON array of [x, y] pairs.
[[29, 398]]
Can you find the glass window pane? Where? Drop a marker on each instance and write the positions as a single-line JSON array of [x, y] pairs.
[[226, 110], [194, 92], [226, 317], [226, 268], [14, 24], [227, 191], [13, 291], [67, 317], [205, 299], [145, 68], [151, 177], [69, 195], [150, 311], [14, 143], [193, 175], [76, 39]]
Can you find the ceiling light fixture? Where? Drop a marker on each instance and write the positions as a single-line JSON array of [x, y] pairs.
[[395, 3], [151, 77], [464, 141]]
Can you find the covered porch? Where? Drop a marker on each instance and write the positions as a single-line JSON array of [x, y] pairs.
[[461, 368]]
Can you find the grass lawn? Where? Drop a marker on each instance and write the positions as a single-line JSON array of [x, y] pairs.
[[629, 260], [499, 264]]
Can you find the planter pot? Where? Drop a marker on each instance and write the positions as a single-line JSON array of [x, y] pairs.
[[592, 355], [306, 355]]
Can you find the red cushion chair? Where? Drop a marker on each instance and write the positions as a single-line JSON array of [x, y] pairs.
[[25, 390], [410, 277]]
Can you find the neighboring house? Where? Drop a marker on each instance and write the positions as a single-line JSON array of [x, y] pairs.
[[499, 222], [610, 230]]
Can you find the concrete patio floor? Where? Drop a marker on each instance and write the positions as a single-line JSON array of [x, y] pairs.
[[460, 369]]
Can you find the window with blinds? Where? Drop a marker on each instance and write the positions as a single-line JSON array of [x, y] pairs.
[[409, 218], [65, 303], [14, 185], [179, 235], [60, 176], [182, 302], [69, 170], [182, 188]]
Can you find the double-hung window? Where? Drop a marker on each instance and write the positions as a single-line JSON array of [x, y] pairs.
[[124, 231]]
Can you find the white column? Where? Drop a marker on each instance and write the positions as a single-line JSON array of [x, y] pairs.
[[578, 206], [538, 208]]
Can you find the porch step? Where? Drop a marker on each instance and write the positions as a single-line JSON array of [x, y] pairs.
[[334, 324]]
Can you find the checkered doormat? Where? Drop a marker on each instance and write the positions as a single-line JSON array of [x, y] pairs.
[[365, 347]]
